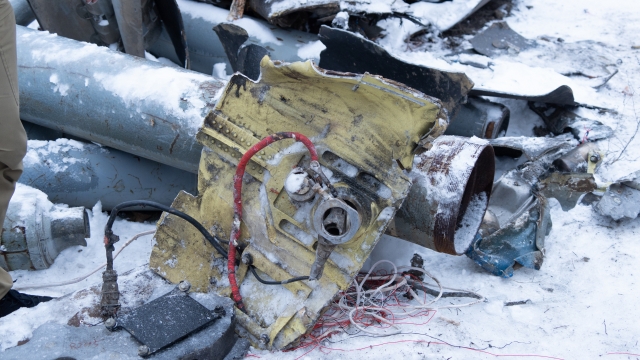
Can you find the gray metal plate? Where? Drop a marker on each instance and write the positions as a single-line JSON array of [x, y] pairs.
[[166, 320]]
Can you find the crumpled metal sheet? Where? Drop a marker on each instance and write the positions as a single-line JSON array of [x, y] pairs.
[[560, 120], [567, 188], [520, 242], [347, 117], [517, 219], [244, 58], [514, 227], [618, 202], [349, 52], [533, 148], [562, 95], [500, 39]]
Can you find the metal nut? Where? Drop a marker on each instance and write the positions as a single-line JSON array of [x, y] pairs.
[[247, 259], [143, 350], [594, 158], [264, 339], [184, 286], [110, 323]]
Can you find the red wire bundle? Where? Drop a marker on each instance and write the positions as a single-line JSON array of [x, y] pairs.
[[237, 201]]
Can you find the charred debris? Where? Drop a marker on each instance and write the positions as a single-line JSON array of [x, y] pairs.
[[286, 175]]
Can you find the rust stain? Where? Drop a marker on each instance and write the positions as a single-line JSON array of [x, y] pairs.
[[173, 143]]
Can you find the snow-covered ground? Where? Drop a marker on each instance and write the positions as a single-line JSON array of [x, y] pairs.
[[582, 304]]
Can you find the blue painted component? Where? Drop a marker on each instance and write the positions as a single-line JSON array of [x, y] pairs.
[[521, 242]]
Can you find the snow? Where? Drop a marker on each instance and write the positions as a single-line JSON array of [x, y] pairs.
[[295, 181], [61, 88], [311, 51], [220, 71], [160, 86], [580, 305], [470, 222], [39, 151], [444, 15]]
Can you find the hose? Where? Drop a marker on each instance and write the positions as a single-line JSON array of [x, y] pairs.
[[110, 238], [237, 201], [267, 282]]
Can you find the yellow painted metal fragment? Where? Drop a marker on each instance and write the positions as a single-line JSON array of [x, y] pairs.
[[365, 128]]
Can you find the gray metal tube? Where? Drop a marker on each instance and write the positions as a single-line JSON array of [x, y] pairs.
[[118, 100], [22, 10], [35, 231], [205, 48], [80, 174]]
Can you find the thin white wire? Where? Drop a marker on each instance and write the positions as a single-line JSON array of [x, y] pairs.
[[78, 279], [372, 301]]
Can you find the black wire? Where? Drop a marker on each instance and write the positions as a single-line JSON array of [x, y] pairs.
[[266, 282], [211, 238], [445, 294]]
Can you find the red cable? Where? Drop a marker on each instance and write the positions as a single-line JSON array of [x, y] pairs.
[[237, 201]]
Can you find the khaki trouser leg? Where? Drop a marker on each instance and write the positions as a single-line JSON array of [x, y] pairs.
[[13, 139], [5, 283]]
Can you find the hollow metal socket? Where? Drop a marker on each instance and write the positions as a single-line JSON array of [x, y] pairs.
[[335, 221]]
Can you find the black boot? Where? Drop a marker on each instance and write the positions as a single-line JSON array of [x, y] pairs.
[[14, 300]]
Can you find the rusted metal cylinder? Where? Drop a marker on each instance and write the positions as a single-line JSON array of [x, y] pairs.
[[451, 188], [125, 102]]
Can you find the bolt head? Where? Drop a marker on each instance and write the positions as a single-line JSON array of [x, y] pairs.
[[110, 323], [143, 350], [247, 259], [594, 158], [264, 339], [184, 286]]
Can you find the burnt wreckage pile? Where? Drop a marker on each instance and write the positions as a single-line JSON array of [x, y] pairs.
[[277, 184]]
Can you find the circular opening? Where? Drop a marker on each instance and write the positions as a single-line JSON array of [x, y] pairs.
[[334, 221]]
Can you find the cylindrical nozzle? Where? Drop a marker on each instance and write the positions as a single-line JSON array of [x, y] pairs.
[[451, 188], [35, 231]]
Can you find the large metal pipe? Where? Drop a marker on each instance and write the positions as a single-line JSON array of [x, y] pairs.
[[80, 174], [22, 10], [205, 48], [118, 100]]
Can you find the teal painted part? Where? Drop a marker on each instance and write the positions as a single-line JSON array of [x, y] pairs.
[[499, 252]]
